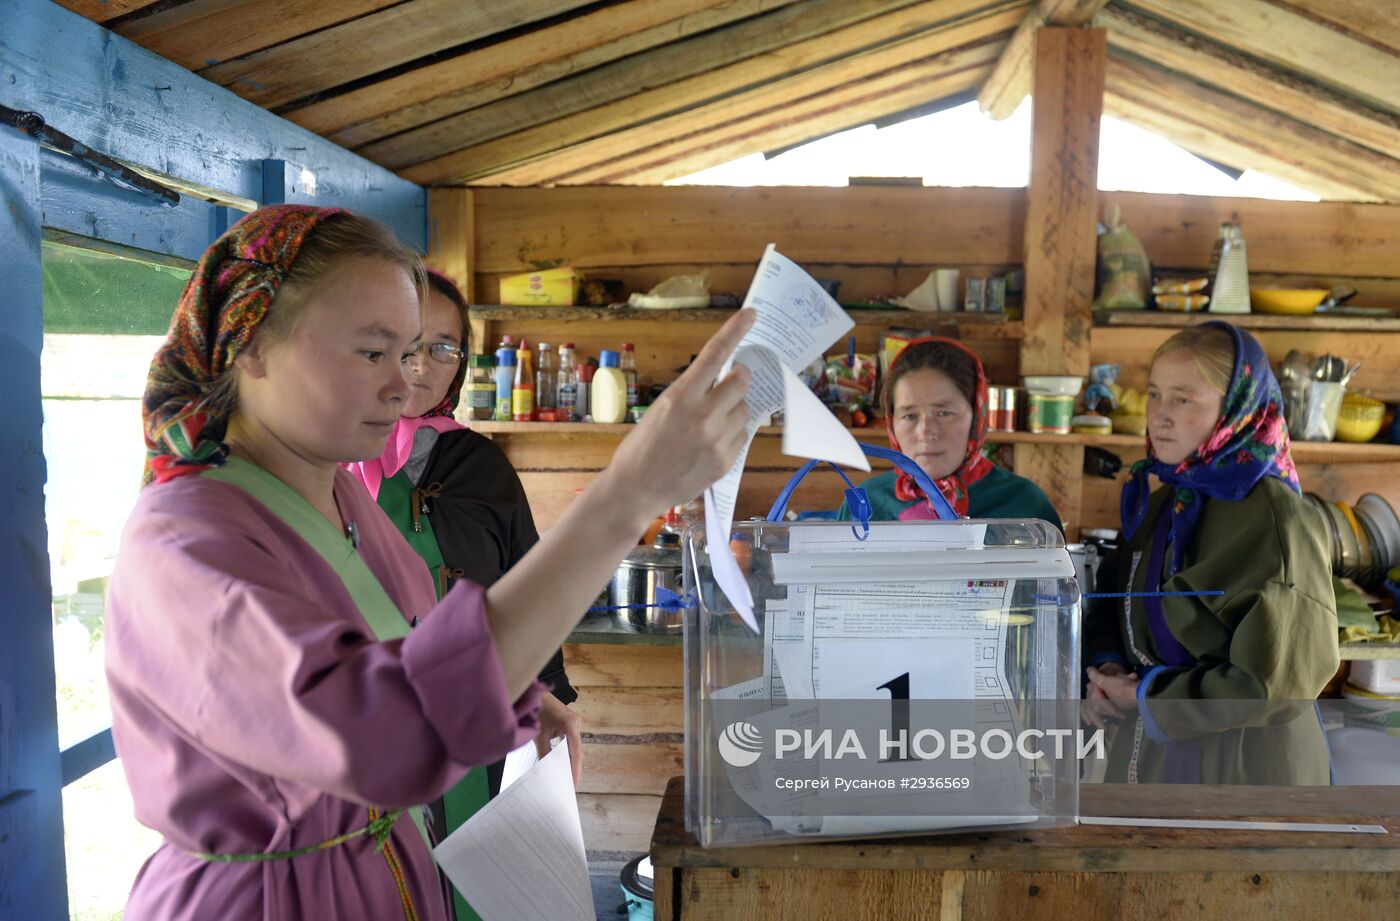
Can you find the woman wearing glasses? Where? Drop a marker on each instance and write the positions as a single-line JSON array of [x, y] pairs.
[[455, 497], [935, 404]]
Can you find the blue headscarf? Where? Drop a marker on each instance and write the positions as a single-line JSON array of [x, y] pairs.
[[1249, 443]]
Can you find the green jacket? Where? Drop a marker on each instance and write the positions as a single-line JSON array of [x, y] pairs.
[[999, 494], [1264, 648]]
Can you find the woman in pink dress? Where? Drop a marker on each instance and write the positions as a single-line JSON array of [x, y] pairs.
[[285, 690]]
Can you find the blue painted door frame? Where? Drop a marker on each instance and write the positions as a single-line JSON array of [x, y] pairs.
[[32, 883]]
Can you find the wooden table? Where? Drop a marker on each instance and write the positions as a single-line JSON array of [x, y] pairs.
[[1083, 873]]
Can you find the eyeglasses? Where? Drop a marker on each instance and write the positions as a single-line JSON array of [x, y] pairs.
[[444, 352]]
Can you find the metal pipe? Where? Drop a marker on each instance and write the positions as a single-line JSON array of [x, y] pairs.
[[33, 124]]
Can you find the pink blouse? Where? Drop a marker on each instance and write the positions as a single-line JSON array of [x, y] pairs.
[[254, 711]]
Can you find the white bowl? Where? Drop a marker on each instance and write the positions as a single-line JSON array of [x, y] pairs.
[[1055, 385]]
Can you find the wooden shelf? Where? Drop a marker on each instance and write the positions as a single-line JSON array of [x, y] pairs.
[[967, 325], [1304, 452], [1314, 323], [1356, 651]]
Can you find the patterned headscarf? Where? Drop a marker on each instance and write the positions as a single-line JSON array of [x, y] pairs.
[[223, 305], [1249, 443], [973, 467]]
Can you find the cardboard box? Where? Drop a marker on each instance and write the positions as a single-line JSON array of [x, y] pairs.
[[550, 288]]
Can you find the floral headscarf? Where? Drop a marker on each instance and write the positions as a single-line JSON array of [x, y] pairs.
[[221, 308], [1249, 443], [973, 467]]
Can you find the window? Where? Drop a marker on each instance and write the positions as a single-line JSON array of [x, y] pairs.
[[105, 312]]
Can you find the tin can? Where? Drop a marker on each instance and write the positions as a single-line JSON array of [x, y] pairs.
[[1050, 414], [1001, 409]]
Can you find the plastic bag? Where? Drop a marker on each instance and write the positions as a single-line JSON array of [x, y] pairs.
[[1124, 273]]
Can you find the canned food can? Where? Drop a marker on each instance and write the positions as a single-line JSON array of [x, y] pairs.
[[1050, 414], [1001, 409]]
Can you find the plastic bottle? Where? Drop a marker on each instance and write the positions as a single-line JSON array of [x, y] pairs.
[[522, 392], [628, 366], [479, 391], [586, 371], [505, 381], [566, 393], [609, 390], [546, 381]]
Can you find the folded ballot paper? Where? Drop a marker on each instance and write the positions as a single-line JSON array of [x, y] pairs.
[[797, 323]]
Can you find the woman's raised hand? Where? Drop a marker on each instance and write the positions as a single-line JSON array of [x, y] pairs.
[[692, 434]]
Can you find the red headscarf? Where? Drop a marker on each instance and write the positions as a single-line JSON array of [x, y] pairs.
[[973, 467]]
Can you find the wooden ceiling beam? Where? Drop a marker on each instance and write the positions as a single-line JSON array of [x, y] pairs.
[[1289, 149], [202, 33], [516, 65], [670, 98], [1209, 63], [104, 10], [1291, 42], [370, 44], [790, 119], [1373, 21], [710, 65], [1010, 81]]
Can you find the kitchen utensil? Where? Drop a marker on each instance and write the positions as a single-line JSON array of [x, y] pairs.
[[1321, 406], [638, 889], [1351, 548], [1359, 419], [1294, 372], [1286, 301], [1229, 291], [1336, 297], [1387, 526], [1350, 372], [634, 587]]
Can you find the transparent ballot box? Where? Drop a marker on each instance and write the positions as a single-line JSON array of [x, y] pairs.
[[914, 678]]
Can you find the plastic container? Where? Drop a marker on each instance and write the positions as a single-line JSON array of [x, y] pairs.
[[976, 620], [478, 400], [1091, 424], [566, 390], [627, 363], [608, 392], [505, 381], [1376, 676], [546, 379], [522, 391], [1050, 414]]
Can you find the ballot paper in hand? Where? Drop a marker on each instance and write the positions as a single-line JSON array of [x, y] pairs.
[[521, 855], [797, 321]]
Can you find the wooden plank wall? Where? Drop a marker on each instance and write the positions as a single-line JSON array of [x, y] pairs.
[[630, 701], [880, 240], [877, 240]]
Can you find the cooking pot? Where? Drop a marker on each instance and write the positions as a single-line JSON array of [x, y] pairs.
[[635, 583]]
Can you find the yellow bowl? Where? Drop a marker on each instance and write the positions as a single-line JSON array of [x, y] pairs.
[[1360, 418], [1286, 301]]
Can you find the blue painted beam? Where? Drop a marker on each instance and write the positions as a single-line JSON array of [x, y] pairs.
[[32, 882], [133, 105], [78, 200], [91, 753]]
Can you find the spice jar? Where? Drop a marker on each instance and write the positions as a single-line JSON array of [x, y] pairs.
[[479, 390]]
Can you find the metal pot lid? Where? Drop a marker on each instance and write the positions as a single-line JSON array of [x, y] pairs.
[[665, 553], [651, 558]]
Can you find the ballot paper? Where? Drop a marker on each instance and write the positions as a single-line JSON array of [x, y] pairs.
[[797, 321], [522, 855]]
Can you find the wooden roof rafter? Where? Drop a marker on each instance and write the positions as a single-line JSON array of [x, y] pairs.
[[1010, 81], [793, 119], [1243, 133], [810, 51]]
